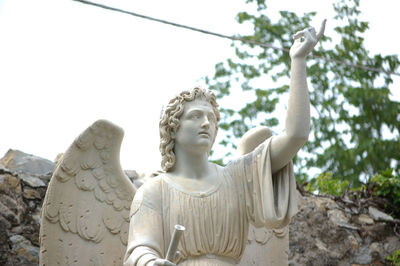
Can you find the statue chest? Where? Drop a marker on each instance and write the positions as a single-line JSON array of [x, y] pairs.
[[215, 220]]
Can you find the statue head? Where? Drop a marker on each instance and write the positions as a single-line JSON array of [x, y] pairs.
[[169, 122]]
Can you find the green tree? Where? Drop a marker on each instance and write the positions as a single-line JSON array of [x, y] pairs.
[[352, 105]]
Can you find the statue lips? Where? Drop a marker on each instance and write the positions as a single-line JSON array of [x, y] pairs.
[[204, 133]]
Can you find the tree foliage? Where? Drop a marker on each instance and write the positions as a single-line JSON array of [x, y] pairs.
[[326, 185], [355, 124], [387, 186]]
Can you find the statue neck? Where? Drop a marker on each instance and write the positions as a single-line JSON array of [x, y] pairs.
[[189, 164]]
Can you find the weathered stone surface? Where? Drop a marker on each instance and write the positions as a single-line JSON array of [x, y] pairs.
[[365, 219], [379, 215], [20, 200], [36, 216], [22, 247], [31, 180], [31, 194], [9, 184], [12, 209], [3, 168], [325, 232], [337, 217], [325, 204], [352, 242], [391, 244], [20, 162], [5, 250], [45, 178]]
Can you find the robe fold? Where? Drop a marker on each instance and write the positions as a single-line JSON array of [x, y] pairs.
[[216, 220]]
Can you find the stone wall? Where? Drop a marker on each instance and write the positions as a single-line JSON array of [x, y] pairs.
[[23, 181], [326, 231]]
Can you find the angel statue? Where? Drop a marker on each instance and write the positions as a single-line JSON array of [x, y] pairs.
[[94, 215]]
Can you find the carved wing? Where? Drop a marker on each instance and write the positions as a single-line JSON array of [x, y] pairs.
[[264, 246], [85, 213]]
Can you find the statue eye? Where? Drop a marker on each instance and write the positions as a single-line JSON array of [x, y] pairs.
[[211, 118], [195, 115]]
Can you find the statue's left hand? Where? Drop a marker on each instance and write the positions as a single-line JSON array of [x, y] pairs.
[[305, 41]]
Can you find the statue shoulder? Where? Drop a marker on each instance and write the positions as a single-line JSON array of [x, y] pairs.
[[252, 139], [149, 195]]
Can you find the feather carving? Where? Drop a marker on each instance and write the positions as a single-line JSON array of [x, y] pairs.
[[85, 214]]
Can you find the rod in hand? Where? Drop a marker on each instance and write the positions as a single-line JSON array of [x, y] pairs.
[[173, 245]]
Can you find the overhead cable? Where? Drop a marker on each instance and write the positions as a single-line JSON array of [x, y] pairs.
[[234, 38]]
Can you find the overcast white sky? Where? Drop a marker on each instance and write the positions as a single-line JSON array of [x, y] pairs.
[[64, 65]]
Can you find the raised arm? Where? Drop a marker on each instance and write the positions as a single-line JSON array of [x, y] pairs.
[[297, 126]]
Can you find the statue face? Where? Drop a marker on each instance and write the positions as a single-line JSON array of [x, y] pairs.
[[197, 126]]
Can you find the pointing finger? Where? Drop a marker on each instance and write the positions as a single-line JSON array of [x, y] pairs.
[[312, 31], [321, 30]]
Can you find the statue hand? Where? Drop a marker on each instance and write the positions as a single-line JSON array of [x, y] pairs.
[[162, 262], [305, 41]]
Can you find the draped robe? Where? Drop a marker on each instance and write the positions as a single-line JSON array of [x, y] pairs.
[[217, 219]]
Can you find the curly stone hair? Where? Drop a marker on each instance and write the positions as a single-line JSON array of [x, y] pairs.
[[169, 122]]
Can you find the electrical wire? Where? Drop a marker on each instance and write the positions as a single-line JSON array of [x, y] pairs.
[[233, 38]]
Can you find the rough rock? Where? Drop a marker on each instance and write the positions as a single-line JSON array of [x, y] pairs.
[[21, 193], [325, 231], [378, 215], [337, 217], [365, 219], [32, 181], [31, 194], [24, 249], [10, 184], [20, 162]]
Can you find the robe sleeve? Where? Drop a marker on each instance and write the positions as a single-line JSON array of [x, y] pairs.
[[145, 239], [270, 198]]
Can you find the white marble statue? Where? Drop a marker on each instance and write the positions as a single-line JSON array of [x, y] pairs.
[[90, 205]]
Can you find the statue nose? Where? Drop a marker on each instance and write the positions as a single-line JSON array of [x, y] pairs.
[[206, 123]]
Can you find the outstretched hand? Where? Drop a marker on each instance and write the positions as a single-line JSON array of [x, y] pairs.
[[305, 41]]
